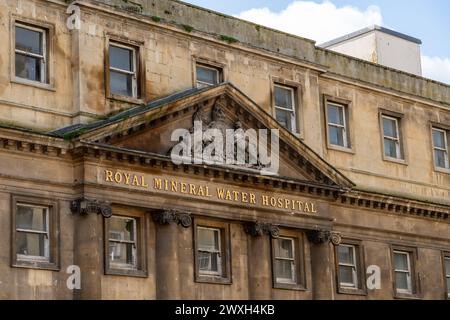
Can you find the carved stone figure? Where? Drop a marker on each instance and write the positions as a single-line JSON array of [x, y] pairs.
[[205, 128]]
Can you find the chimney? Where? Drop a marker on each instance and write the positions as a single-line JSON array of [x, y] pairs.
[[381, 45]]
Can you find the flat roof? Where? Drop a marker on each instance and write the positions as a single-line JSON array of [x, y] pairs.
[[367, 30]]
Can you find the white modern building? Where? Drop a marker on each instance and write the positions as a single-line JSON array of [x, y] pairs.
[[381, 45]]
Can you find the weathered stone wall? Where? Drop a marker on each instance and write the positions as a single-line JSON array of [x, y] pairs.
[[82, 239], [260, 57], [275, 41], [31, 106], [169, 52]]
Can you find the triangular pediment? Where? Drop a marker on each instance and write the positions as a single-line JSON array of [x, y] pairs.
[[149, 129]]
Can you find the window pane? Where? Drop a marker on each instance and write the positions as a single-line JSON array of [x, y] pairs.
[[401, 261], [121, 58], [122, 253], [447, 267], [121, 229], [439, 139], [208, 261], [448, 286], [121, 83], [335, 114], [28, 67], [31, 218], [207, 75], [440, 157], [284, 249], [29, 40], [208, 239], [401, 281], [345, 254], [390, 127], [32, 244], [390, 148], [285, 118], [336, 136], [346, 274], [284, 270], [283, 98]]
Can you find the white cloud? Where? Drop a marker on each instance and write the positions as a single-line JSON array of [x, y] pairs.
[[318, 21], [324, 21], [436, 68]]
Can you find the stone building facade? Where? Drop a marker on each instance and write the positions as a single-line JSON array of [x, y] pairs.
[[89, 97]]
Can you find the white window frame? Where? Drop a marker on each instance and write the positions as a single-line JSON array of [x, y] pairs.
[[42, 58], [447, 274], [281, 280], [46, 233], [353, 265], [407, 272], [294, 114], [447, 165], [217, 251], [397, 141], [344, 126], [133, 73], [119, 265], [203, 84]]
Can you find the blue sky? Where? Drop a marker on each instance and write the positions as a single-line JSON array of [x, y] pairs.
[[426, 20]]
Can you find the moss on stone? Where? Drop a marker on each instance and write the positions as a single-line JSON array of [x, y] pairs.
[[73, 134], [156, 18], [228, 39], [187, 28]]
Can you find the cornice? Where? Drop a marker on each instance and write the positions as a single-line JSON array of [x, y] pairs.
[[34, 143], [102, 152], [38, 143], [395, 205], [339, 196]]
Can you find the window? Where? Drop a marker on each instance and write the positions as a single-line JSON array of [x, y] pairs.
[[123, 68], [350, 270], [212, 251], [122, 243], [337, 125], [285, 269], [391, 137], [347, 264], [206, 75], [125, 245], [447, 274], [440, 148], [403, 272], [288, 269], [209, 251], [35, 233], [31, 57], [285, 107], [33, 236]]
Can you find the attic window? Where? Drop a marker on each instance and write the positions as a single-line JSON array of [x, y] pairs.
[[207, 75], [337, 125], [285, 107], [31, 53], [123, 70]]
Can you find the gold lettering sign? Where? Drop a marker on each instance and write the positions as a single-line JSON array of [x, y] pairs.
[[209, 192]]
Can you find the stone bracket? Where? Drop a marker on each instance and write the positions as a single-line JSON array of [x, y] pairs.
[[83, 206], [168, 216], [323, 236], [257, 229]]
